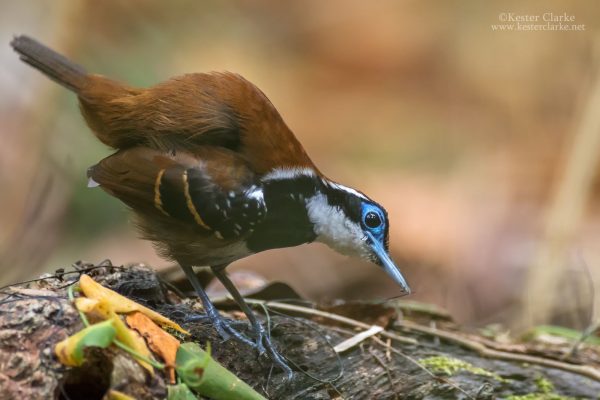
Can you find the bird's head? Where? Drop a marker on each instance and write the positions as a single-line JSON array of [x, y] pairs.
[[352, 224]]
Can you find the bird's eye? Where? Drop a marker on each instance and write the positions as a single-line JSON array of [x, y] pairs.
[[372, 220]]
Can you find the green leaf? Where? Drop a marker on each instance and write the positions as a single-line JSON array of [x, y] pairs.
[[205, 376], [70, 350], [180, 392]]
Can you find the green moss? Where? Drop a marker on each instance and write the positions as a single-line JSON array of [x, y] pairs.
[[443, 365], [544, 385], [545, 392], [539, 396]]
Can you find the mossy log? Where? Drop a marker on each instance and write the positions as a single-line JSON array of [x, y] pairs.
[[37, 315]]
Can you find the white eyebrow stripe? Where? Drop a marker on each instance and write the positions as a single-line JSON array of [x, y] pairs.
[[295, 172], [347, 189], [278, 174]]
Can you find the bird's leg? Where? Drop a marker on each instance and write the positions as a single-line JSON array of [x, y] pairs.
[[223, 327], [263, 339]]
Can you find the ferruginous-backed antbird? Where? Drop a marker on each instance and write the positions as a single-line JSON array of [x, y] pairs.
[[213, 174]]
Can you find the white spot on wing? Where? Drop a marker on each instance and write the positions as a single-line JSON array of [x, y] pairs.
[[255, 193], [92, 183]]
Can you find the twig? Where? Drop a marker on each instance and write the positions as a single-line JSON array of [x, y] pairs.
[[589, 331], [418, 364], [593, 324], [387, 370], [60, 275], [334, 317], [482, 350], [341, 396], [325, 339], [358, 338], [388, 353]]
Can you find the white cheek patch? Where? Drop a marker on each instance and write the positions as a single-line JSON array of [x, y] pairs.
[[334, 229]]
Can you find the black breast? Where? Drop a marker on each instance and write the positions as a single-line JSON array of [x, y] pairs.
[[286, 223]]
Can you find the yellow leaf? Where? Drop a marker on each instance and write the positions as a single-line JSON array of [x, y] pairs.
[[122, 304], [102, 309], [116, 395], [131, 339], [85, 305]]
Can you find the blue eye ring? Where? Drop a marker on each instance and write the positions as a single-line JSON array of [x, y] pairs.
[[372, 220], [373, 231]]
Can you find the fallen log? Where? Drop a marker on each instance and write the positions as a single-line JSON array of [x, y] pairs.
[[419, 353]]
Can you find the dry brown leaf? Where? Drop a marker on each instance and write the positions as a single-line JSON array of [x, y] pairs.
[[132, 339], [161, 342]]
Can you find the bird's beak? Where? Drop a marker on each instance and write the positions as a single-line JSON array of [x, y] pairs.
[[388, 265]]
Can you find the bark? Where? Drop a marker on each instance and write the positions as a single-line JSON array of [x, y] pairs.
[[35, 316]]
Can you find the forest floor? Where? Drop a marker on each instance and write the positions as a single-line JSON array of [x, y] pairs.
[[418, 353]]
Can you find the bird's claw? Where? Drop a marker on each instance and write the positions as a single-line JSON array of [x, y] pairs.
[[277, 358], [258, 345], [224, 328], [204, 317], [227, 331], [263, 344]]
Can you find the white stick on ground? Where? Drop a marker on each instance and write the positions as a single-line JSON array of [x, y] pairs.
[[358, 338]]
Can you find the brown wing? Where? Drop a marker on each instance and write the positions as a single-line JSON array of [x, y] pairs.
[[193, 111], [213, 190]]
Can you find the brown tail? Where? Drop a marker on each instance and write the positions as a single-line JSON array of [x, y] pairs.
[[56, 66]]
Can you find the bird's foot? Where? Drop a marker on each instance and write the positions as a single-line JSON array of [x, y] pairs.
[[201, 318], [225, 329], [263, 344]]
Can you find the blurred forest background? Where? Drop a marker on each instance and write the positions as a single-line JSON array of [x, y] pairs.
[[466, 135]]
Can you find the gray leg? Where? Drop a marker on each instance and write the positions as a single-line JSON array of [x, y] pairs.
[[263, 340], [224, 329]]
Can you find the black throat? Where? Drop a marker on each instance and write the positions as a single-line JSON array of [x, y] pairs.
[[286, 223]]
